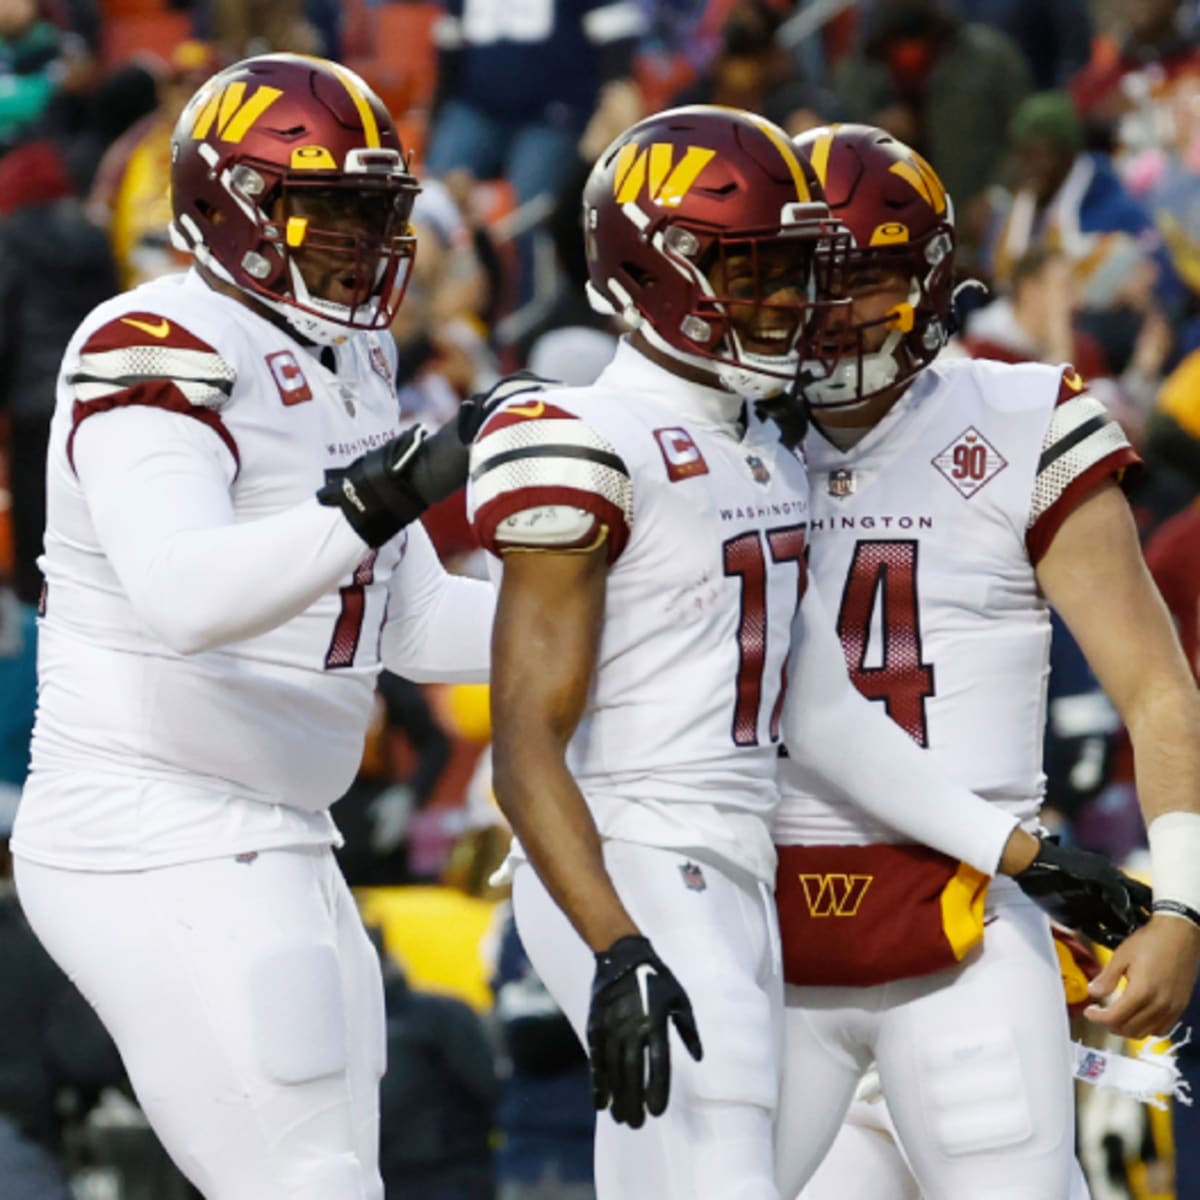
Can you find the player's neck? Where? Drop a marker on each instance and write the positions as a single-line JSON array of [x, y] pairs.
[[247, 301], [846, 427], [668, 362]]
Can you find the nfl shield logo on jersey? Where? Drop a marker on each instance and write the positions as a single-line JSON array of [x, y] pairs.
[[1091, 1066], [841, 484], [969, 462], [693, 877], [758, 469]]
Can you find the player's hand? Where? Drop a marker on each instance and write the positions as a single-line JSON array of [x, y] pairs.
[[1085, 892], [1158, 965], [635, 999]]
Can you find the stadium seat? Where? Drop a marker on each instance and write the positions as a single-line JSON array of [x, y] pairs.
[[156, 33]]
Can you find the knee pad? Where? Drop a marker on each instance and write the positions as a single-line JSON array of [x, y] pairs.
[[299, 1020], [336, 1178], [976, 1092]]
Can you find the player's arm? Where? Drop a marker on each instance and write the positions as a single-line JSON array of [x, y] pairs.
[[859, 751], [1094, 575], [553, 499], [544, 646], [439, 625], [158, 490], [156, 462]]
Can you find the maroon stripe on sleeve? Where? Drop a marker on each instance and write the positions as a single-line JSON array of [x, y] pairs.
[[157, 393], [532, 409], [490, 515], [142, 329], [1113, 466]]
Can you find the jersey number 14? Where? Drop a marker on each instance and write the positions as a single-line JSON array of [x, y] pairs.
[[882, 582]]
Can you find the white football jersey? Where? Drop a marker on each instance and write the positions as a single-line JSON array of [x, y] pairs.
[[924, 538], [144, 756], [704, 515]]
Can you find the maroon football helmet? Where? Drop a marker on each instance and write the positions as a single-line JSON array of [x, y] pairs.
[[701, 228], [900, 218], [284, 162]]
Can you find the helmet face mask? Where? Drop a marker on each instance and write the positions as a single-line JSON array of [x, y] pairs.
[[289, 181], [897, 275], [702, 230]]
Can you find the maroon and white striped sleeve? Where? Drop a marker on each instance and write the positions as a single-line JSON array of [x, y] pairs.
[[543, 479], [1083, 449], [143, 359]]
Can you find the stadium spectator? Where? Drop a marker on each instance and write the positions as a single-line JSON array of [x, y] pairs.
[[31, 63], [438, 1098], [1173, 556], [944, 86], [55, 265], [545, 1116], [1055, 36], [518, 87], [1136, 93], [18, 685], [374, 814], [51, 1042], [1033, 322], [1173, 428], [755, 72], [131, 192]]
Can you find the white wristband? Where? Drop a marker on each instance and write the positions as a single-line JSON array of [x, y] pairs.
[[1175, 860]]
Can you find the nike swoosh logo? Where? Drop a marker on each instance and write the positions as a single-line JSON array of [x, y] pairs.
[[642, 975], [1074, 381], [158, 331], [533, 411]]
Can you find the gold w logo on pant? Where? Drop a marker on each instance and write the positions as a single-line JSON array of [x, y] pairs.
[[834, 895]]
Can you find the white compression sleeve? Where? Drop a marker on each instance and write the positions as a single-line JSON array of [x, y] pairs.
[[851, 743], [157, 487], [439, 626]]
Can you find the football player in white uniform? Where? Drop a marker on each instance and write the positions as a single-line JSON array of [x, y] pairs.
[[231, 554], [649, 533], [952, 500]]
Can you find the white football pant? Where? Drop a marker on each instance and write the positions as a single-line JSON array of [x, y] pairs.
[[718, 935], [247, 1003], [975, 1062], [865, 1162]]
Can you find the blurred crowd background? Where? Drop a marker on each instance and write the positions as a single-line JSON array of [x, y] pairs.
[[1068, 133]]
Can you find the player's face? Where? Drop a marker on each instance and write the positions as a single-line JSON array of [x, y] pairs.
[[371, 219], [764, 289], [875, 291]]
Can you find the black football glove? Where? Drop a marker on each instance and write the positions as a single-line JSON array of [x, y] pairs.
[[634, 1000], [1085, 892]]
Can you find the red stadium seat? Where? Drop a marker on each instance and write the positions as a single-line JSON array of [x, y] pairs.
[[157, 33]]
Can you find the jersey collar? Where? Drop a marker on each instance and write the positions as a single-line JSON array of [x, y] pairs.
[[632, 373]]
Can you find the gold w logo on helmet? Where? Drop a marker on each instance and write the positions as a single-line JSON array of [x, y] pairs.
[[654, 168], [924, 180], [232, 113], [834, 895]]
